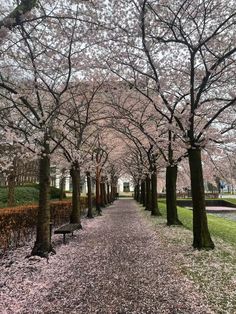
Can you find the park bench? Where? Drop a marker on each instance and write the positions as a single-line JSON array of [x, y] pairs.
[[66, 229]]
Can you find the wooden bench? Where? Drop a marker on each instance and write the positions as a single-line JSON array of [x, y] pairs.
[[69, 228]]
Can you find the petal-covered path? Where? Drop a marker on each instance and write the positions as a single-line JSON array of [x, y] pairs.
[[116, 264]]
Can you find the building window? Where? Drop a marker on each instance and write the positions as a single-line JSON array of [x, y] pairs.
[[126, 187]]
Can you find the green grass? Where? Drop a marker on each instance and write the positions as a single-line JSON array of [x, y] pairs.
[[219, 227], [25, 195], [230, 200]]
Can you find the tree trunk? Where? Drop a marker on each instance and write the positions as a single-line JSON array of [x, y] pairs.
[[154, 204], [138, 192], [201, 234], [218, 184], [135, 192], [62, 185], [105, 194], [108, 194], [98, 197], [76, 210], [171, 206], [102, 195], [42, 245], [148, 194], [143, 193], [112, 193], [90, 213], [11, 179], [116, 194]]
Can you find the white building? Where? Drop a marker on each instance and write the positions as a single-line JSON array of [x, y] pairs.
[[125, 186]]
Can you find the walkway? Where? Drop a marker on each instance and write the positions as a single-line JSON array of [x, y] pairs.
[[116, 264]]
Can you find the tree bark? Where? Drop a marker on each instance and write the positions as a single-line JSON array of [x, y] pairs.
[[105, 194], [171, 206], [42, 245], [108, 194], [148, 194], [138, 191], [201, 234], [102, 195], [143, 193], [76, 210], [90, 213], [116, 192], [62, 185], [112, 193], [154, 205], [98, 197], [135, 192]]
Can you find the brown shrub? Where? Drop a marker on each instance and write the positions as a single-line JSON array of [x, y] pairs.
[[18, 224]]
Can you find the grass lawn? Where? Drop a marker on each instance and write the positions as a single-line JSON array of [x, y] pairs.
[[25, 195], [219, 227], [213, 271], [231, 200]]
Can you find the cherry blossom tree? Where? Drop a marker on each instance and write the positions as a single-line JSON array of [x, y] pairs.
[[79, 115], [100, 157], [42, 61], [14, 16], [136, 133], [184, 54], [133, 110], [206, 72]]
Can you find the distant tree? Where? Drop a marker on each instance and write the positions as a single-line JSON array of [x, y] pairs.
[[135, 112], [79, 115]]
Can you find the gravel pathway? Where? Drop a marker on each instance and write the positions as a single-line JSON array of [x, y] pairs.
[[116, 264]]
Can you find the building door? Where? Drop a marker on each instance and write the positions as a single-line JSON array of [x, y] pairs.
[[126, 187]]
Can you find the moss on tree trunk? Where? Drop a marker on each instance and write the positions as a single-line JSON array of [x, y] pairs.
[[201, 234], [171, 206]]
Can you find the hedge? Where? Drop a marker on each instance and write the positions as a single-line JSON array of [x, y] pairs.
[[18, 224]]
